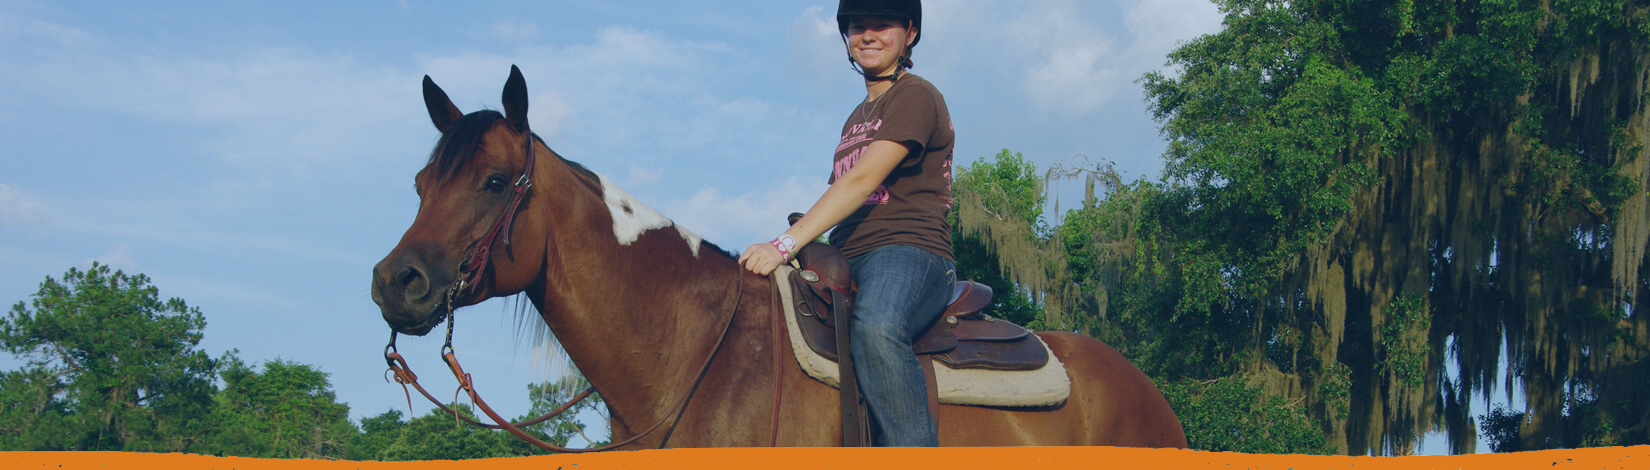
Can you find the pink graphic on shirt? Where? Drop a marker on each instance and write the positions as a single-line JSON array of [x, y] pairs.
[[880, 196], [859, 134]]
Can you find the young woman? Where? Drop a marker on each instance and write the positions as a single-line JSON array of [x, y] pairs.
[[890, 191]]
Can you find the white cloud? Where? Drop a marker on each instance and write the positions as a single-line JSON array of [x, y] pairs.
[[513, 30], [118, 257], [1069, 57], [269, 109], [640, 176], [15, 30], [1074, 63], [817, 55], [1072, 78], [617, 86], [738, 220], [548, 113], [641, 47], [17, 210], [1157, 26]]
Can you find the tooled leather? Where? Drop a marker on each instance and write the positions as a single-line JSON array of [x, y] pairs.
[[827, 261]]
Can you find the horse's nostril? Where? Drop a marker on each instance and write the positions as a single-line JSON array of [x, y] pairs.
[[413, 282]]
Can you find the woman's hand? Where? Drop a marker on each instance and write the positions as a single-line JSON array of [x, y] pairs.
[[761, 258]]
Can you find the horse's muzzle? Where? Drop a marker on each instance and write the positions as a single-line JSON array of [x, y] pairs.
[[408, 294]]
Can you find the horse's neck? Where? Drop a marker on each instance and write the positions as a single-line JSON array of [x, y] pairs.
[[636, 303]]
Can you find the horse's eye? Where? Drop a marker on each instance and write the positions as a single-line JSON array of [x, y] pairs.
[[496, 184]]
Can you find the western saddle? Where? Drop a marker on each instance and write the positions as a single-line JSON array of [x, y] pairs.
[[963, 337]]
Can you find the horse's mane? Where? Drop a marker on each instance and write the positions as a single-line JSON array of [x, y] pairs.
[[464, 136]]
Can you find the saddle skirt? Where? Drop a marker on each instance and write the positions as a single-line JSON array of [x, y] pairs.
[[1040, 386]]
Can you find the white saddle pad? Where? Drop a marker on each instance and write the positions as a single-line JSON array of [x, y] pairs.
[[1044, 386]]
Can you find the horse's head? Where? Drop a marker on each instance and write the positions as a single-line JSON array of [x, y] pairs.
[[465, 190]]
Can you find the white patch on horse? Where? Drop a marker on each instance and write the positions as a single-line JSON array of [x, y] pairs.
[[631, 218], [692, 239]]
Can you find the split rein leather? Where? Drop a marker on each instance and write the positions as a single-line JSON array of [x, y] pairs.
[[475, 263]]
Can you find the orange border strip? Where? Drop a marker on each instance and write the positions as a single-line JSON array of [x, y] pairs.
[[839, 458]]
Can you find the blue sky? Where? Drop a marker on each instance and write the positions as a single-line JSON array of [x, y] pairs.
[[256, 159]]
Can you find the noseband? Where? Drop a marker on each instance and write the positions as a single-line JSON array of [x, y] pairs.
[[474, 265]]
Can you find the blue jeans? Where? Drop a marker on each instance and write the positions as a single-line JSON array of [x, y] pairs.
[[902, 289]]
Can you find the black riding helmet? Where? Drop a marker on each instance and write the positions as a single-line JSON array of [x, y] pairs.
[[909, 10]]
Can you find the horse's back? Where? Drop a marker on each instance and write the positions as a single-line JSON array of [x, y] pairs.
[[1112, 403]]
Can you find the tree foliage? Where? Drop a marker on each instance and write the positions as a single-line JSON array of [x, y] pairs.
[[1356, 192], [440, 436], [1009, 197], [1083, 262], [1336, 167], [437, 436], [110, 366], [547, 396], [1225, 415], [287, 411]]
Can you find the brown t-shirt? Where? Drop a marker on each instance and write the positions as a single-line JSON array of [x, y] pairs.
[[909, 207]]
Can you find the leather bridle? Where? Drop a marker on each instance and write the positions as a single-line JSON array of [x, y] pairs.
[[479, 256], [476, 260]]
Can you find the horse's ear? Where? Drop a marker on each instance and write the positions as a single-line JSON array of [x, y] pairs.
[[515, 100], [442, 111]]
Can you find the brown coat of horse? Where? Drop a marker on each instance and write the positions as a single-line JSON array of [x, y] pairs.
[[638, 316]]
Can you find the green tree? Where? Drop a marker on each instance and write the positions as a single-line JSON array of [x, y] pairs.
[[998, 219], [378, 433], [1354, 193], [1352, 185], [440, 436], [1504, 428], [288, 411], [546, 396], [1501, 428], [1225, 415], [32, 416], [109, 366]]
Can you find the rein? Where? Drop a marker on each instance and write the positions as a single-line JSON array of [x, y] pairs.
[[405, 377], [476, 260]]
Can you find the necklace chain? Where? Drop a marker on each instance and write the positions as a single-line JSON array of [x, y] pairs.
[[865, 116]]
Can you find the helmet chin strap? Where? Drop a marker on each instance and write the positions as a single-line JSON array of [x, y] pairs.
[[885, 78]]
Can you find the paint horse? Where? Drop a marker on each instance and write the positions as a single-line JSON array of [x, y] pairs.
[[680, 342]]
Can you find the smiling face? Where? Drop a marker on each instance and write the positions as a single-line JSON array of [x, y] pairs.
[[877, 42]]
